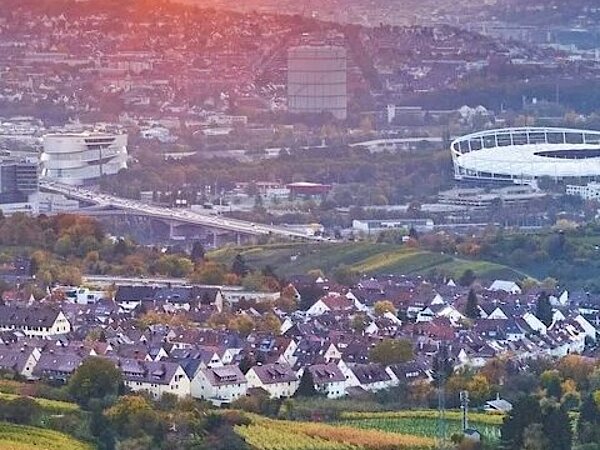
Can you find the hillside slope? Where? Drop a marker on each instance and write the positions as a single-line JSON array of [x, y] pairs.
[[362, 257]]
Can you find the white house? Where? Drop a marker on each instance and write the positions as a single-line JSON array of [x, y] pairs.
[[332, 353], [233, 294], [219, 385], [84, 296], [439, 310], [331, 303], [35, 322], [371, 377], [561, 300], [497, 314], [328, 379], [498, 405], [279, 380], [155, 377], [535, 323], [21, 361], [507, 286], [590, 330]]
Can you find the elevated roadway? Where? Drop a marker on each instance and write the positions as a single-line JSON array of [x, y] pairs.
[[170, 214]]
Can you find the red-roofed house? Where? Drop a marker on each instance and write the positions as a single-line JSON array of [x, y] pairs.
[[331, 303]]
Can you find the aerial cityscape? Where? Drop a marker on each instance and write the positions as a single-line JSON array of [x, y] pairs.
[[299, 225]]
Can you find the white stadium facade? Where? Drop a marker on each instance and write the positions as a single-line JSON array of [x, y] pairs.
[[82, 158], [522, 155]]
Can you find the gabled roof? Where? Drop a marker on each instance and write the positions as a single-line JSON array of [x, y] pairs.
[[42, 316], [409, 371], [135, 293], [223, 376], [14, 359], [326, 373], [275, 373], [336, 302], [150, 372], [370, 373], [51, 362]]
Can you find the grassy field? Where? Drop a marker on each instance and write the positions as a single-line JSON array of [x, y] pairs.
[[18, 437], [49, 406], [362, 257], [423, 423]]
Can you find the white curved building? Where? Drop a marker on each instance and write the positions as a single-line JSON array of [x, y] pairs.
[[521, 155], [83, 157]]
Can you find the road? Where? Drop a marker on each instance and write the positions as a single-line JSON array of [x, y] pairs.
[[107, 280], [180, 215]]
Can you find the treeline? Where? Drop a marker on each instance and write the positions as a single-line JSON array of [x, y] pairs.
[[387, 177], [567, 252], [61, 248]]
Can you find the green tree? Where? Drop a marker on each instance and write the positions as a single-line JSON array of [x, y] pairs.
[[383, 306], [64, 246], [534, 438], [551, 382], [209, 273], [467, 278], [21, 410], [588, 422], [472, 307], [391, 351], [306, 388], [198, 252], [239, 266], [544, 309], [101, 429], [557, 426], [96, 379], [133, 416], [360, 322], [526, 411]]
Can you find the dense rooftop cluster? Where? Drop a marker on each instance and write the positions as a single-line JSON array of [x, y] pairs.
[[374, 335]]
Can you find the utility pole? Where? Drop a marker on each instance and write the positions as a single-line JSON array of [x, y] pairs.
[[441, 425], [464, 405], [442, 367]]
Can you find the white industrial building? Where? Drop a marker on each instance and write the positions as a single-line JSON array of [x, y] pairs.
[[377, 226], [590, 191]]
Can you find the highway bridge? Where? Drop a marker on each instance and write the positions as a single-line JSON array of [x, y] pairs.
[[170, 214]]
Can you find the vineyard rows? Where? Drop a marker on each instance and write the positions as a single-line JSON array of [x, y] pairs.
[[265, 434]]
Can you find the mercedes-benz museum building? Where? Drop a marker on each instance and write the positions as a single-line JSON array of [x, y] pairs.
[[81, 158], [521, 155]]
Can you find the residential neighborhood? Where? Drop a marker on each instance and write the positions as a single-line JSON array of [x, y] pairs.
[[333, 339]]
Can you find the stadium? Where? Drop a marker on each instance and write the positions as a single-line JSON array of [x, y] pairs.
[[522, 155]]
